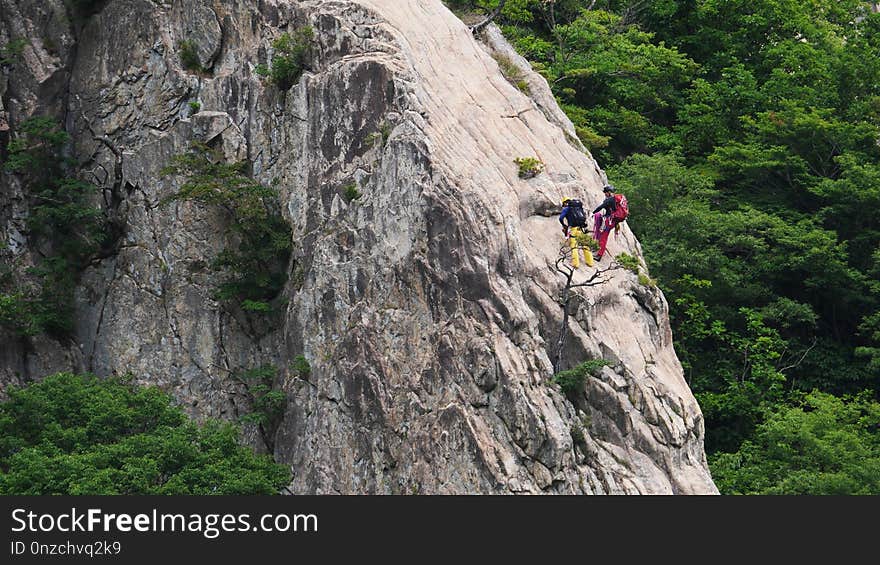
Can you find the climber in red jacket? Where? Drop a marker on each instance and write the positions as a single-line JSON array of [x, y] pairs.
[[616, 210]]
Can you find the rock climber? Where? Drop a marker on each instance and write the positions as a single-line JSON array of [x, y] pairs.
[[615, 210]]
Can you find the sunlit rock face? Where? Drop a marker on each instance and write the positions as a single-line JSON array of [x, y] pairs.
[[427, 307]]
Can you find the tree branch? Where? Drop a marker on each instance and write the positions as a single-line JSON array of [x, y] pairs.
[[117, 153], [632, 12], [477, 28], [563, 268], [801, 360]]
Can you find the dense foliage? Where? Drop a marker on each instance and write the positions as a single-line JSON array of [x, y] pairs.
[[75, 434], [745, 134], [65, 228], [826, 445]]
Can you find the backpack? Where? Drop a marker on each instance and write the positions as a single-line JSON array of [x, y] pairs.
[[576, 215], [621, 210]]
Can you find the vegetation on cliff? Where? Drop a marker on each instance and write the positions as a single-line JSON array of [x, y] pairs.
[[65, 228], [255, 265]]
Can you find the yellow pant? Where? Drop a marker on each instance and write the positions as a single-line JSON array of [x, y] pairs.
[[575, 256]]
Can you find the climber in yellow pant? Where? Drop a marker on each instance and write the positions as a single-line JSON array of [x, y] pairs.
[[573, 219], [575, 246]]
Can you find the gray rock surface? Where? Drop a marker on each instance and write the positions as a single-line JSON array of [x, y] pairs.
[[426, 307]]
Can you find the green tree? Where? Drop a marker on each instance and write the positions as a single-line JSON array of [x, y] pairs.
[[78, 434], [292, 52], [572, 381], [628, 85], [823, 445], [256, 266], [65, 228], [266, 401]]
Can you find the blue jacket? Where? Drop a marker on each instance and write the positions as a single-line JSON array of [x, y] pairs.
[[563, 215]]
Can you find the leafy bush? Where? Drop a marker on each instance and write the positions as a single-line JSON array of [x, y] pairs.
[[511, 72], [585, 240], [255, 306], [383, 134], [34, 151], [572, 381], [266, 401], [645, 280], [10, 52], [78, 435], [189, 56], [290, 59], [301, 367], [528, 166], [577, 434], [628, 262], [350, 192], [16, 313]]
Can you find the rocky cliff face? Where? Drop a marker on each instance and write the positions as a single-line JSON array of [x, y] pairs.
[[427, 307]]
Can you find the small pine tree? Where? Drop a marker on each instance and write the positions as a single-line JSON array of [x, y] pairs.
[[292, 52]]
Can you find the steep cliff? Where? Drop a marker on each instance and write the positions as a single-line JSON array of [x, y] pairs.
[[427, 307]]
